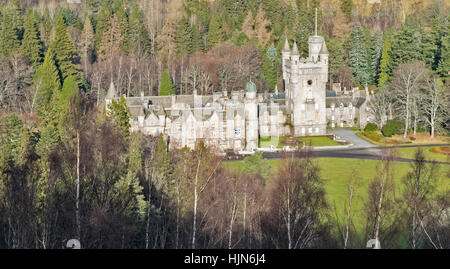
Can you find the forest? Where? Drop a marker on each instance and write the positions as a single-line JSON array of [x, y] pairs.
[[71, 169]]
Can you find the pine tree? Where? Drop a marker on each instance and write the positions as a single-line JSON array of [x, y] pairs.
[[138, 35], [87, 43], [358, 58], [10, 33], [269, 66], [444, 63], [336, 57], [376, 51], [432, 43], [165, 86], [406, 46], [103, 23], [64, 50], [385, 62], [119, 114], [111, 41], [215, 32], [68, 89], [46, 78], [31, 45], [184, 37], [122, 17]]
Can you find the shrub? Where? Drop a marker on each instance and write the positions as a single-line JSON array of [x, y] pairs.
[[371, 127], [392, 127]]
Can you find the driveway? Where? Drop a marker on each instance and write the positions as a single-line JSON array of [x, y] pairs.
[[352, 138]]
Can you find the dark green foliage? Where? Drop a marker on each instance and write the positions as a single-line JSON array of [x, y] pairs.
[[392, 127], [70, 18], [31, 44], [119, 114], [255, 164], [138, 41], [406, 46], [444, 63], [103, 22], [11, 129], [269, 66], [184, 37], [215, 32], [46, 78], [370, 127], [65, 51], [359, 56], [12, 29], [165, 86], [239, 38]]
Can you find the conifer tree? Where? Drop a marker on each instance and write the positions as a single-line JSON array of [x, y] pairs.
[[385, 70], [64, 50], [103, 23], [444, 63], [137, 34], [46, 78], [184, 37], [376, 50], [406, 46], [10, 33], [165, 86], [119, 114], [358, 58], [215, 32], [269, 66], [31, 45], [87, 43], [111, 41], [122, 17]]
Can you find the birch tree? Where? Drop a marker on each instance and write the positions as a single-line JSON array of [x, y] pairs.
[[434, 100], [408, 79]]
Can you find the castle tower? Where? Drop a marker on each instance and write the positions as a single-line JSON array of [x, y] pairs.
[[305, 81], [251, 116]]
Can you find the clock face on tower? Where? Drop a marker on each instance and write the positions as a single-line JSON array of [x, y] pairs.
[[310, 82]]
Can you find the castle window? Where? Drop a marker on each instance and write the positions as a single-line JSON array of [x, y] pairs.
[[310, 82], [317, 130], [237, 132]]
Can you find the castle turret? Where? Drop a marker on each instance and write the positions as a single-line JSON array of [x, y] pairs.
[[251, 116], [285, 54]]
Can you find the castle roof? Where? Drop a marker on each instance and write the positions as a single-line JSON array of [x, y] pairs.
[[295, 49], [323, 49], [286, 47], [111, 94]]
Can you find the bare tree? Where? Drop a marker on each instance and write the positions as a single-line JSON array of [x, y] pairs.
[[297, 200], [434, 99], [408, 79]]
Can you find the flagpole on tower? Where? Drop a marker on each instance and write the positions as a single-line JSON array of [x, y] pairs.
[[315, 28]]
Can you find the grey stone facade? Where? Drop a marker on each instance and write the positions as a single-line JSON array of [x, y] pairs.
[[237, 122]]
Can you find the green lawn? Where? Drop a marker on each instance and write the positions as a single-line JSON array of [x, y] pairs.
[[336, 173], [318, 141], [409, 154]]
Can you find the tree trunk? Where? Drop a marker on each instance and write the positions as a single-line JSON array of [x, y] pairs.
[[78, 188], [194, 224], [348, 217]]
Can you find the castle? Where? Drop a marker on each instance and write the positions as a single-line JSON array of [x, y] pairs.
[[237, 120]]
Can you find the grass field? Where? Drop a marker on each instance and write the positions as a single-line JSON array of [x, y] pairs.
[[318, 141], [336, 173], [409, 154]]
